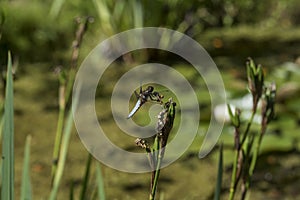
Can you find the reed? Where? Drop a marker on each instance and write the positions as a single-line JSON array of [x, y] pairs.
[[7, 176], [247, 144]]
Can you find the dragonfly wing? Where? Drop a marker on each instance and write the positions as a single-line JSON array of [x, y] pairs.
[[135, 109]]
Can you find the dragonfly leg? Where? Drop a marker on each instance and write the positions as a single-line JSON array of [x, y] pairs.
[[155, 96], [136, 94]]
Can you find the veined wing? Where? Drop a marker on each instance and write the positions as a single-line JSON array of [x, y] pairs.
[[135, 109]]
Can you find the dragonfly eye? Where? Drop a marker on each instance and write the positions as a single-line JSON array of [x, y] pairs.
[[150, 88]]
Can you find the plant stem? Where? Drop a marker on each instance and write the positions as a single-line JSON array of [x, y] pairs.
[[83, 194], [157, 170], [256, 152], [59, 129], [248, 126], [234, 178], [63, 151], [65, 91]]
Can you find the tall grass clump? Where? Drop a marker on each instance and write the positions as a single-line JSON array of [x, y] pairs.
[[7, 162], [247, 142], [64, 130]]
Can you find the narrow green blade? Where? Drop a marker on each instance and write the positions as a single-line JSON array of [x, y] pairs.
[[85, 182], [56, 8], [137, 10], [71, 191], [218, 188], [7, 192], [26, 192], [101, 191], [63, 151]]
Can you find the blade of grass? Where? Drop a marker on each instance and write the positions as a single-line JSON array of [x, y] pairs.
[[65, 90], [26, 193], [218, 188], [118, 10], [85, 182], [71, 191], [104, 15], [1, 130], [56, 8], [137, 13], [7, 189], [101, 192], [1, 124], [59, 130]]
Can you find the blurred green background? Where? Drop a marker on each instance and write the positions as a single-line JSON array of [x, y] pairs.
[[40, 33]]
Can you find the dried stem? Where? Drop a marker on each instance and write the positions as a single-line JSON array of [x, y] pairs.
[[65, 90]]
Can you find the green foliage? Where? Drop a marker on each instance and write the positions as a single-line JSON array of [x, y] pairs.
[[84, 190], [100, 183], [235, 118], [119, 16], [7, 189], [24, 34], [26, 29], [32, 35], [247, 148], [26, 191], [55, 8], [65, 89]]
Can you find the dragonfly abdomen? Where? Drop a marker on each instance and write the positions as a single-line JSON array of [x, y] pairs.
[[135, 109]]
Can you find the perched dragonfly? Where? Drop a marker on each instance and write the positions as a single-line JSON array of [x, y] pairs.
[[143, 97]]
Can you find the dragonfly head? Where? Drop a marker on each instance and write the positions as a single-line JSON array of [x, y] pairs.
[[150, 88]]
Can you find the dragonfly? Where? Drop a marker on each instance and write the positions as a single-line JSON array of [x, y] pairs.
[[145, 95]]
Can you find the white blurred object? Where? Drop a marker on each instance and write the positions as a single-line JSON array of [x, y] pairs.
[[221, 113], [286, 70]]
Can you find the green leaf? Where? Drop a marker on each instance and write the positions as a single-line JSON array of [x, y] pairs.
[[137, 13], [104, 15], [235, 119], [230, 112], [56, 7], [8, 138], [26, 192], [85, 182], [71, 191], [101, 191]]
